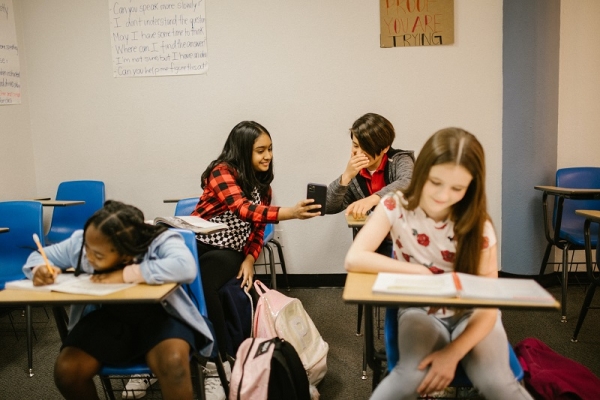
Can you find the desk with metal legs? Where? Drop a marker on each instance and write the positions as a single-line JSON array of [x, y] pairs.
[[358, 290], [554, 239], [141, 293]]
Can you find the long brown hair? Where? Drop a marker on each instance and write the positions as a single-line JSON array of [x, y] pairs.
[[455, 145]]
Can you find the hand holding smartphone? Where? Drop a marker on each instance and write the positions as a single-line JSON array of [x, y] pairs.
[[317, 192]]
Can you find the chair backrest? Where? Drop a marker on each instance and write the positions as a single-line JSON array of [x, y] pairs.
[[577, 178], [269, 233], [23, 218], [186, 206], [390, 326], [194, 289], [66, 220]]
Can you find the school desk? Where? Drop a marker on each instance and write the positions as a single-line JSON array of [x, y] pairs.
[[4, 230], [176, 199], [60, 203], [561, 193], [141, 293], [358, 290]]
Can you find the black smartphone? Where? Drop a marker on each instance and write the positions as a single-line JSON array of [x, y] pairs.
[[319, 193]]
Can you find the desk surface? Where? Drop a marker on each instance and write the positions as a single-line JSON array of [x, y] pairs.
[[176, 199], [141, 293], [358, 290], [593, 215], [4, 230], [355, 223], [61, 203], [569, 191]]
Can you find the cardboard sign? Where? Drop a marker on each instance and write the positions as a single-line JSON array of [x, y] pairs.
[[409, 23]]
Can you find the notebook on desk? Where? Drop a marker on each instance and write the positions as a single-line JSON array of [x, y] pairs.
[[69, 283], [460, 285]]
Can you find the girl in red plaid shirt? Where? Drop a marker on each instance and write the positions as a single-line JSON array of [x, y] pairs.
[[237, 192]]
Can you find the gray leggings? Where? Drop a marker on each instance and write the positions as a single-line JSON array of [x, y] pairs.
[[420, 334]]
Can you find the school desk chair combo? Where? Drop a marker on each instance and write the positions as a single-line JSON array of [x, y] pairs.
[[591, 216], [136, 294], [89, 197], [196, 293], [576, 188], [358, 290], [23, 219]]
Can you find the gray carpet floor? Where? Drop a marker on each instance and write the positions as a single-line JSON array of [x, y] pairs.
[[336, 322]]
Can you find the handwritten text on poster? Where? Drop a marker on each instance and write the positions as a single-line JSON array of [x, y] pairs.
[[163, 37], [10, 73]]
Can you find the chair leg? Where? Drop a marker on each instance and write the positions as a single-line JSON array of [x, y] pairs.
[[269, 251], [281, 261], [29, 340], [222, 376], [359, 319], [197, 383], [565, 281], [61, 318], [363, 375], [108, 387], [545, 259], [584, 309]]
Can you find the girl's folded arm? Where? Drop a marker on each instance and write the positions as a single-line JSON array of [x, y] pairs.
[[362, 256], [171, 262]]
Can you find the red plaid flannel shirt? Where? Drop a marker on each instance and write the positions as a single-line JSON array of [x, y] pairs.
[[222, 193]]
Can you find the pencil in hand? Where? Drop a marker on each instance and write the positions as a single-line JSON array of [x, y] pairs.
[[36, 239]]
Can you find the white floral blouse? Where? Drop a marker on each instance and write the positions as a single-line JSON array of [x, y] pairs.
[[419, 239]]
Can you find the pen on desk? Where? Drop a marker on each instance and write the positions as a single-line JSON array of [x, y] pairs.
[[36, 239], [457, 283]]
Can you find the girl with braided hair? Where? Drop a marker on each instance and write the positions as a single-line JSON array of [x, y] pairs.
[[116, 246]]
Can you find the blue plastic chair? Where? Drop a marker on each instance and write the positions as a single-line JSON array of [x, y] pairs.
[[23, 218], [460, 377], [196, 293], [66, 220], [186, 206], [570, 235]]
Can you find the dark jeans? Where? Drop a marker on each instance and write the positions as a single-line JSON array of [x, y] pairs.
[[217, 266]]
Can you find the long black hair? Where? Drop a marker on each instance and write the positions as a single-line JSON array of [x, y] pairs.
[[237, 154], [124, 226]]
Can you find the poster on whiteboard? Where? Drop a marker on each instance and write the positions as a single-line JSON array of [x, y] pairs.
[[10, 72], [158, 38]]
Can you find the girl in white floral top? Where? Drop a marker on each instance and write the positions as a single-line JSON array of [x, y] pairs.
[[440, 224]]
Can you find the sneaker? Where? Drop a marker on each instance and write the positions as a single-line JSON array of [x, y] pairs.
[[211, 369], [137, 386], [213, 390]]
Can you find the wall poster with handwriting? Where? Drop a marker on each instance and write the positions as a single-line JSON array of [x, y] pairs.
[[409, 23], [10, 72], [157, 38]]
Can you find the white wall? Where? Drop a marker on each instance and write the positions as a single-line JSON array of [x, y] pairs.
[[305, 70], [579, 88], [17, 172]]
